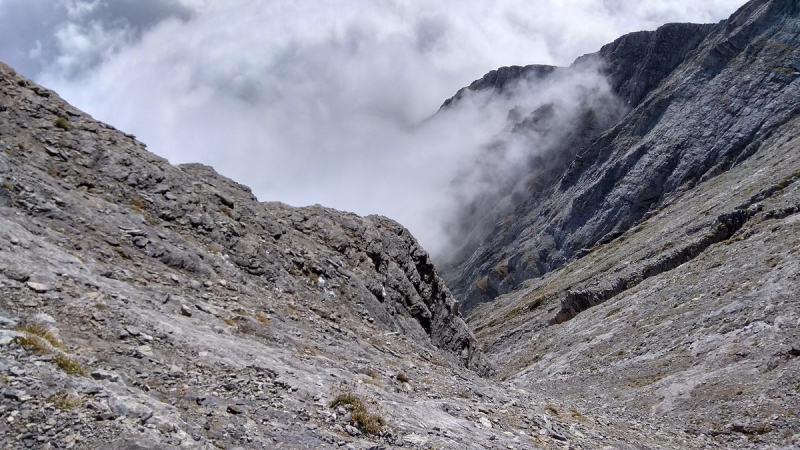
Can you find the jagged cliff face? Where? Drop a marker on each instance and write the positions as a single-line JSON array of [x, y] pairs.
[[631, 66], [703, 98]]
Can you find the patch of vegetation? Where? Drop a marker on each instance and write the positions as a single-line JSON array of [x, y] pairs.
[[612, 312], [575, 414], [372, 374], [121, 252], [227, 211], [52, 170], [137, 204], [69, 365], [65, 401], [401, 377], [552, 410], [501, 270], [38, 339], [229, 322], [8, 186], [42, 332], [62, 123], [359, 415], [535, 303], [482, 284], [34, 344], [263, 318]]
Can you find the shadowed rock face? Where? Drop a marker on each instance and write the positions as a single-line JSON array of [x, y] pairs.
[[705, 97], [633, 65]]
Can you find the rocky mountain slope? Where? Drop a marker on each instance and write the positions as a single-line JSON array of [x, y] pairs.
[[632, 66], [643, 292], [661, 267], [144, 305], [702, 97]]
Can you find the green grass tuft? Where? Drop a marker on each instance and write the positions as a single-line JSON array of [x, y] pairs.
[[359, 415], [42, 332], [69, 365], [65, 401]]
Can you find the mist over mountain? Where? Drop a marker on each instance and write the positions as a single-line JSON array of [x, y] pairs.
[[310, 103], [608, 252]]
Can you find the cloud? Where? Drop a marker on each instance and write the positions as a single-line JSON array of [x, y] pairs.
[[314, 102], [75, 36]]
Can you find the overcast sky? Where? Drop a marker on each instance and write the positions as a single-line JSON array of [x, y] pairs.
[[313, 101]]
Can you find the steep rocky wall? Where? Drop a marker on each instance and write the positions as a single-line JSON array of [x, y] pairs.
[[711, 113]]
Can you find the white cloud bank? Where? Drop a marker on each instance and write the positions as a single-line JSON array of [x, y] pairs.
[[313, 102]]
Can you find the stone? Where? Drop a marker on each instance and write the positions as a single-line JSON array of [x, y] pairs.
[[7, 337], [144, 351], [105, 375], [118, 407], [352, 431], [16, 272], [235, 409], [39, 288]]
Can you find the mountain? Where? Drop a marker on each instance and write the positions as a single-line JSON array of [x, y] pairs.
[[656, 276], [687, 88], [632, 286]]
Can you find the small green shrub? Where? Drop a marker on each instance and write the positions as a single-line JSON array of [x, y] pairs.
[[65, 401], [482, 284], [577, 415], [263, 318], [69, 365], [37, 330], [368, 423], [227, 211], [136, 202], [34, 344], [359, 415], [61, 123]]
